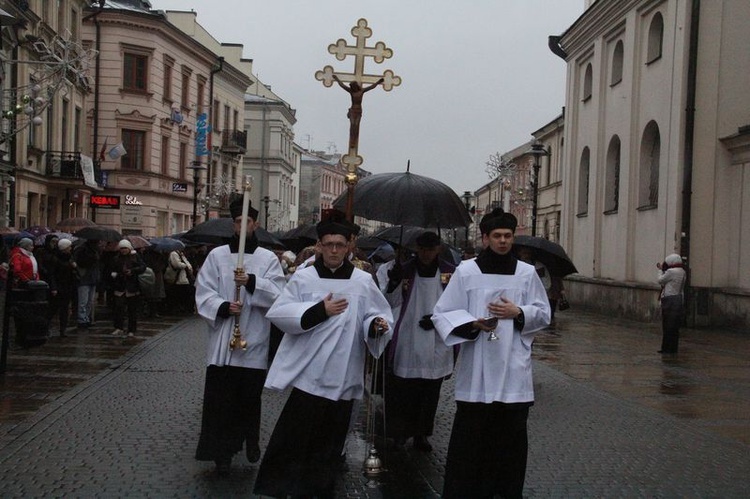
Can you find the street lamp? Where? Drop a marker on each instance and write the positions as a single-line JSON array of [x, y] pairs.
[[467, 197], [197, 167], [266, 200], [537, 150]]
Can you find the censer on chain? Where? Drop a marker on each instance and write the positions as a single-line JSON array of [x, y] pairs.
[[237, 341], [373, 466]]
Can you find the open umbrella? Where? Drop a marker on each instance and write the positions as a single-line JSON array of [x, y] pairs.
[[73, 224], [39, 241], [166, 244], [551, 254], [299, 237], [408, 199], [220, 230], [400, 235], [98, 233], [137, 241], [38, 230]]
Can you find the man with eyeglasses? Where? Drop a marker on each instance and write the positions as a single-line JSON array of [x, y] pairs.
[[332, 314], [234, 377]]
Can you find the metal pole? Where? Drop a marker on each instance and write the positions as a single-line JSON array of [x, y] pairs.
[[266, 200], [196, 178], [467, 199], [536, 193]]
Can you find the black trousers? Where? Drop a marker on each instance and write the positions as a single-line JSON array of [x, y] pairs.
[[231, 411], [130, 305], [672, 312], [487, 451], [304, 451], [410, 405]]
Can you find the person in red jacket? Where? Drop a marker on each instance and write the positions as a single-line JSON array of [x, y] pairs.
[[22, 263]]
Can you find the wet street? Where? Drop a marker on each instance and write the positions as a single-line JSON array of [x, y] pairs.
[[92, 415]]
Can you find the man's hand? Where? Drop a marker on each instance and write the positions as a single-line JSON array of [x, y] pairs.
[[486, 324], [334, 307], [378, 327], [503, 309], [396, 273], [240, 278], [235, 308]]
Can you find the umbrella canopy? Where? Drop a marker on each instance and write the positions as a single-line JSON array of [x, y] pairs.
[[137, 241], [166, 244], [38, 230], [408, 199], [400, 235], [551, 254], [73, 224], [300, 237], [220, 230], [39, 241], [98, 233]]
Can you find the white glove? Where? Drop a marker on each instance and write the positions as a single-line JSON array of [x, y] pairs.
[[114, 275]]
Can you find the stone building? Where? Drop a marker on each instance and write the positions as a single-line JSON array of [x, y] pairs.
[[657, 134]]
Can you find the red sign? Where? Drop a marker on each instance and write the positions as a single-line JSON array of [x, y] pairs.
[[112, 202]]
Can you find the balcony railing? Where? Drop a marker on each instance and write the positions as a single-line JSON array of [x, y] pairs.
[[234, 141], [63, 165]]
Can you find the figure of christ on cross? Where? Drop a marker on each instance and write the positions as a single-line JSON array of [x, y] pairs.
[[355, 112]]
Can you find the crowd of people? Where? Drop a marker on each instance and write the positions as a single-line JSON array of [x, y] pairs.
[[83, 273], [310, 322]]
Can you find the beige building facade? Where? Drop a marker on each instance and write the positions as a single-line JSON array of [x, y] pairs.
[[158, 94], [43, 114], [656, 153]]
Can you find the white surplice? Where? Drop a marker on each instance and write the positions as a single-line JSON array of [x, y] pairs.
[[328, 359], [214, 285], [492, 371], [419, 353]]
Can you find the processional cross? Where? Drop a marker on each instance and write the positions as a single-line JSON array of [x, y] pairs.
[[356, 84]]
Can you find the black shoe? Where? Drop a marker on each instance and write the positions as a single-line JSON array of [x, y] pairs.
[[223, 466], [252, 451], [421, 443]]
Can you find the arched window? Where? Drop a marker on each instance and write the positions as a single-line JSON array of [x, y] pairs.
[[617, 61], [612, 176], [655, 38], [588, 78], [648, 173], [583, 182]]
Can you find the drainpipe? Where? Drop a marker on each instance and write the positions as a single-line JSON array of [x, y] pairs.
[[97, 74], [687, 174]]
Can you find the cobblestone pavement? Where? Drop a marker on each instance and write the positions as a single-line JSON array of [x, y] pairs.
[[611, 418]]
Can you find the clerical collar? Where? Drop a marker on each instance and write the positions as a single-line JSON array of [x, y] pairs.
[[251, 243], [490, 262], [343, 272]]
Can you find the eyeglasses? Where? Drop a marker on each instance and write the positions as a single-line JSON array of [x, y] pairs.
[[330, 246]]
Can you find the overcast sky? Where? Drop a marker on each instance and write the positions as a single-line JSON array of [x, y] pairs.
[[477, 76]]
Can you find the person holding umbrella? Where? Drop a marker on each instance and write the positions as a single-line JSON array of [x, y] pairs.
[[235, 376], [86, 258], [499, 295], [417, 358]]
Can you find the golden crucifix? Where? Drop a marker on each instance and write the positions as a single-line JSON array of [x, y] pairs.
[[356, 84]]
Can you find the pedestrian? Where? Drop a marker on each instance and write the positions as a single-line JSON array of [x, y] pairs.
[[45, 257], [672, 281], [123, 274], [23, 263], [499, 295], [417, 359], [64, 281], [158, 262], [179, 279], [235, 376], [86, 259], [332, 313]]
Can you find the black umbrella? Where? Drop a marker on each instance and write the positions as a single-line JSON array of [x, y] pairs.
[[551, 254], [166, 244], [219, 231], [98, 233], [300, 237], [408, 199]]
